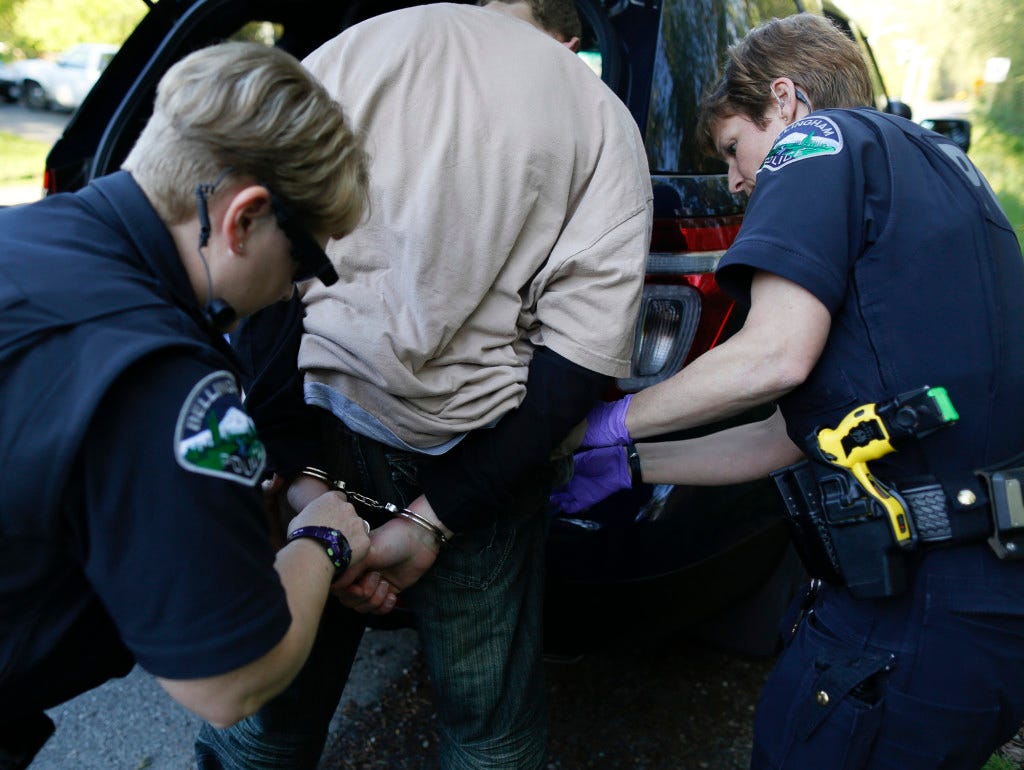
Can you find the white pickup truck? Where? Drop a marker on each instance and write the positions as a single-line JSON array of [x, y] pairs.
[[64, 82]]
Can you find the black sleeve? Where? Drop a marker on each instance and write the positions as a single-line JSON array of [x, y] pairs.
[[482, 470], [268, 345], [176, 548]]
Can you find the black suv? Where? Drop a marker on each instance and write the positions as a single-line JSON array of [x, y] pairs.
[[650, 560]]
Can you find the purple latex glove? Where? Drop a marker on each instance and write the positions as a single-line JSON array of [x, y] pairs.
[[606, 424], [597, 474]]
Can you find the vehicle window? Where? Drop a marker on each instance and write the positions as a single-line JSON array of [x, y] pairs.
[[292, 30], [265, 32], [105, 60], [592, 58], [600, 47], [691, 48], [77, 59], [877, 85]]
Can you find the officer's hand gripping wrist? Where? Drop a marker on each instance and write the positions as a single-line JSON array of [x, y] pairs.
[[598, 473]]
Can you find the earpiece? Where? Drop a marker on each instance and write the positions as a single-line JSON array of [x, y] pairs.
[[204, 215], [218, 313], [799, 97]]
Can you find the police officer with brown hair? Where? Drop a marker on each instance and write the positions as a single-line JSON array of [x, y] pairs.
[[875, 259]]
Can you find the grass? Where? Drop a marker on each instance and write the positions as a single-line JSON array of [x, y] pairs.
[[21, 160], [1000, 157], [998, 763]]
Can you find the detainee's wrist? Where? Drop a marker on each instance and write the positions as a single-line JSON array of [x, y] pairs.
[[421, 507], [430, 529], [308, 485]]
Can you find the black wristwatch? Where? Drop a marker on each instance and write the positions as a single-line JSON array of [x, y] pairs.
[[334, 543], [633, 460]]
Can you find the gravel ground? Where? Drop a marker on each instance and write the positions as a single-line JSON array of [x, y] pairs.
[[676, 705]]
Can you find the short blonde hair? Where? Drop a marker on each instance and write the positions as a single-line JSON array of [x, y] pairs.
[[808, 49], [256, 110]]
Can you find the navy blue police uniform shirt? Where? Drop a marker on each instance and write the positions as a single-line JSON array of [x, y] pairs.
[[892, 228], [131, 524]]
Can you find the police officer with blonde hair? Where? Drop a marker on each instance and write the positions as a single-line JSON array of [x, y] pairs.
[[878, 266], [131, 520]]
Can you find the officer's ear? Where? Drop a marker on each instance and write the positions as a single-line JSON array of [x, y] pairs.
[[784, 94], [246, 206]]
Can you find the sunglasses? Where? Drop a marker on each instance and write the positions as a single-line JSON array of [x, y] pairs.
[[312, 261]]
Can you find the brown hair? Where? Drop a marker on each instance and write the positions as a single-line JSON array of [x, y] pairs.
[[256, 110], [808, 49], [557, 17]]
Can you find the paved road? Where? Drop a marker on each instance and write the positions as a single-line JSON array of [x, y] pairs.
[[41, 125], [131, 724], [31, 124]]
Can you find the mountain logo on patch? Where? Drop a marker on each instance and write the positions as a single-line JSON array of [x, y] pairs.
[[214, 436], [807, 138]]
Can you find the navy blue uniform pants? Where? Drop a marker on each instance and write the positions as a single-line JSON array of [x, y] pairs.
[[933, 678]]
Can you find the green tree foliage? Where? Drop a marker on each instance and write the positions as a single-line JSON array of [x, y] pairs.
[[8, 9], [34, 27], [996, 28], [939, 48]]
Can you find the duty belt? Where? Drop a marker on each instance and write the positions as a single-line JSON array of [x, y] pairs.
[[842, 536]]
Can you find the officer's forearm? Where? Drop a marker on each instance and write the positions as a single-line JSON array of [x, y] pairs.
[[774, 352], [306, 572], [732, 456]]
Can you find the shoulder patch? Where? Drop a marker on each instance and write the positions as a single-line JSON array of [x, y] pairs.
[[806, 138], [215, 436]]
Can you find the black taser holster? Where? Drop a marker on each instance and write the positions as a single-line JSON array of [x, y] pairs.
[[842, 535]]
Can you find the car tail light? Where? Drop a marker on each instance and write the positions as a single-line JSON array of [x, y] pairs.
[[683, 312], [49, 182]]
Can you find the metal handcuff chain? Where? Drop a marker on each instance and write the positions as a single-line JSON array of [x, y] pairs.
[[369, 502]]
